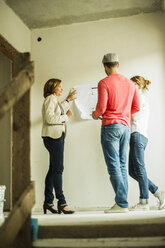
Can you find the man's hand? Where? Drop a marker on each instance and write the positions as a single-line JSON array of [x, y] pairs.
[[94, 116]]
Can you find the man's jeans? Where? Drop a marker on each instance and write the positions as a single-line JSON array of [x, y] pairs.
[[53, 179], [115, 140], [137, 170]]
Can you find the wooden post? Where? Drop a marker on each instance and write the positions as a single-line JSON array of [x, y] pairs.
[[21, 176], [21, 152], [17, 217]]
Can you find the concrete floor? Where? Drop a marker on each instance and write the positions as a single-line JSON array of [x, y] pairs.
[[92, 217]]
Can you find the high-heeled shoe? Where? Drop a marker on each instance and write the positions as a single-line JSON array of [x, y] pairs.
[[49, 207], [61, 209]]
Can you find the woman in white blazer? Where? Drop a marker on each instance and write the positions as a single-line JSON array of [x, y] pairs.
[[54, 117]]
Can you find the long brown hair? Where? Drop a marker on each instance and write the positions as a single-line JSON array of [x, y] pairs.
[[50, 86], [141, 82]]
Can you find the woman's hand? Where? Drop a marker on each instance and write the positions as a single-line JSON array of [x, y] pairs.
[[69, 113], [71, 96]]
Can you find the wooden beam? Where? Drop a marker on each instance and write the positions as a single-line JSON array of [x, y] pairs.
[[21, 171], [16, 88], [7, 49], [20, 212]]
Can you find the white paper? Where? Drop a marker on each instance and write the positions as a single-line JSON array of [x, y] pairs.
[[86, 99]]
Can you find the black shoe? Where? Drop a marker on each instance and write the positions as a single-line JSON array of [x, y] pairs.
[[49, 207], [61, 209]]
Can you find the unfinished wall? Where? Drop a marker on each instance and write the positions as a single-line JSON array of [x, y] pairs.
[[13, 29], [73, 53]]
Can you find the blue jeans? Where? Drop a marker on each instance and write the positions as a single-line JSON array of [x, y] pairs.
[[115, 140], [53, 178], [137, 170]]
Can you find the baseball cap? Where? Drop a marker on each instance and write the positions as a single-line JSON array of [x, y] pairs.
[[110, 57]]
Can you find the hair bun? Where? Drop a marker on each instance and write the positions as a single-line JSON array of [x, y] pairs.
[[148, 82]]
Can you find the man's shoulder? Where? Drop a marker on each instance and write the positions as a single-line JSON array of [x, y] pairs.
[[124, 78], [104, 79], [113, 78], [127, 81]]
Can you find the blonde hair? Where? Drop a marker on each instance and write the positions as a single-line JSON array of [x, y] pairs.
[[50, 86], [141, 82]]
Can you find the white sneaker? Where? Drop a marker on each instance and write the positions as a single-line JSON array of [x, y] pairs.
[[116, 209], [140, 207], [161, 200]]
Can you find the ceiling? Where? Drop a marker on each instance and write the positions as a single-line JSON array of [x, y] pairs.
[[51, 13]]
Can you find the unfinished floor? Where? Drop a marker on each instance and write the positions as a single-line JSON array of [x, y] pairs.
[[96, 229]]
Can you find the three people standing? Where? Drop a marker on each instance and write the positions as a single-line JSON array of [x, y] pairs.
[[118, 102]]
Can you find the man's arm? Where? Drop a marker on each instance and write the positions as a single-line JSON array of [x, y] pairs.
[[102, 100], [135, 103]]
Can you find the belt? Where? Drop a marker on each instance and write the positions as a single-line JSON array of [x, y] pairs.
[[60, 124]]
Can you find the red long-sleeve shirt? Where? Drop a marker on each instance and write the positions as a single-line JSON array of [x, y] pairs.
[[117, 100]]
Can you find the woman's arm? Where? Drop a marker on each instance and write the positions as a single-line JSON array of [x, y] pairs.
[[66, 104], [50, 113]]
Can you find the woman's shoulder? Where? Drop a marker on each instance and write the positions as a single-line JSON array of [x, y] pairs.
[[51, 98], [144, 98], [145, 94]]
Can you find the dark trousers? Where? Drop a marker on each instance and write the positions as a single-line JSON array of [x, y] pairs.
[[53, 178]]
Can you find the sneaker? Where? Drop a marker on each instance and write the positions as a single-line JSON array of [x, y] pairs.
[[140, 207], [161, 200], [116, 209]]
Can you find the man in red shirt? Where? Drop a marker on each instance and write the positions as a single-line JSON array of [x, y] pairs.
[[117, 100]]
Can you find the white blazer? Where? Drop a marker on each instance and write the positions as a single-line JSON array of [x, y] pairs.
[[53, 123]]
